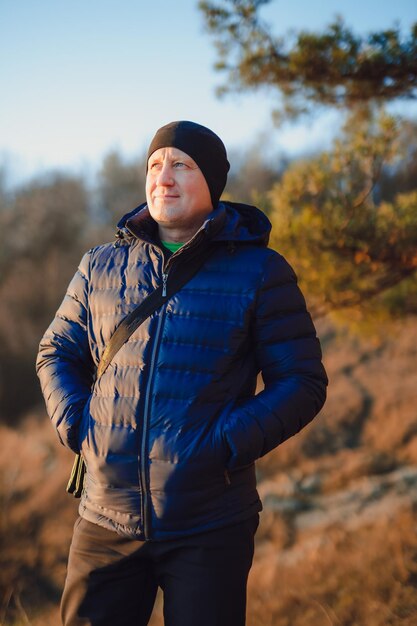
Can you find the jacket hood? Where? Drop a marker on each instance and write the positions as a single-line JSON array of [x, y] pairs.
[[230, 221], [244, 223]]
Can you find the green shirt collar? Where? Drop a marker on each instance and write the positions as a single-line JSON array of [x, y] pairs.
[[172, 246]]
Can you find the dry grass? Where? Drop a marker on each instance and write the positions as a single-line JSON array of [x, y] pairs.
[[365, 578], [36, 520]]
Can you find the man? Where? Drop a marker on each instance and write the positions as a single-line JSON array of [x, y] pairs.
[[170, 432]]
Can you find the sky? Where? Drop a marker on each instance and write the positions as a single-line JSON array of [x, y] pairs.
[[79, 79]]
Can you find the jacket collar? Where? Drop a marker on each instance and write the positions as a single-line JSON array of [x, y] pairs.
[[230, 221], [139, 224]]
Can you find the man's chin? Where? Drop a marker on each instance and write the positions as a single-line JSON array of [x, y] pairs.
[[165, 215]]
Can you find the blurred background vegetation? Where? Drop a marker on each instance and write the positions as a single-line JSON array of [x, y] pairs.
[[338, 542]]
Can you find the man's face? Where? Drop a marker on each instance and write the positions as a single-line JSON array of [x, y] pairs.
[[176, 190]]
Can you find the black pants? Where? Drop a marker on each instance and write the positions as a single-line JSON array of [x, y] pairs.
[[112, 581]]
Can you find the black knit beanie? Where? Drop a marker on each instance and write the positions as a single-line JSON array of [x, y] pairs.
[[202, 145]]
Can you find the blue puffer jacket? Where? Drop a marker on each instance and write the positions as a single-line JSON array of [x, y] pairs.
[[171, 431]]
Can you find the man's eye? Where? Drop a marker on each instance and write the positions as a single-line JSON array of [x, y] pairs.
[[179, 164], [154, 166]]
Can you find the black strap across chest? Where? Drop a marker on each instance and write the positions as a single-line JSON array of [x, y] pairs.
[[180, 276]]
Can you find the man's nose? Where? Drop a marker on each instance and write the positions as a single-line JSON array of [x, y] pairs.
[[165, 176]]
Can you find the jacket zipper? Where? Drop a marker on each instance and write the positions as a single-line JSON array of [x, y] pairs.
[[164, 284], [144, 478], [144, 472]]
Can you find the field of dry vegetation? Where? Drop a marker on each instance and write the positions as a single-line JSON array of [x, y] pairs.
[[337, 544]]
